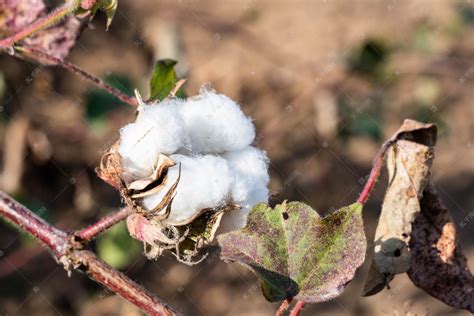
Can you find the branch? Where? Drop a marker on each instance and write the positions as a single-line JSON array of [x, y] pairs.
[[68, 251], [375, 172], [103, 224], [37, 54], [43, 22]]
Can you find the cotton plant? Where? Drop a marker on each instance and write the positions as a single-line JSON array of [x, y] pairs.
[[190, 171]]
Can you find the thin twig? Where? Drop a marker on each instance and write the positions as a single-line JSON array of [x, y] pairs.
[[375, 172], [103, 224], [80, 72], [68, 251]]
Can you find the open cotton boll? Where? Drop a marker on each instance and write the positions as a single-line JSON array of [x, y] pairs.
[[216, 124], [158, 129], [205, 183]]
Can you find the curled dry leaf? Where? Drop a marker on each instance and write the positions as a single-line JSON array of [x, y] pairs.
[[415, 232], [56, 40], [408, 163], [437, 262], [296, 253]]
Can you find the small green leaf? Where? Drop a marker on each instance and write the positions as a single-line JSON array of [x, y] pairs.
[[298, 254], [163, 79]]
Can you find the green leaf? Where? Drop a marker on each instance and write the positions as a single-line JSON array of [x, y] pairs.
[[117, 248], [163, 79], [296, 253]]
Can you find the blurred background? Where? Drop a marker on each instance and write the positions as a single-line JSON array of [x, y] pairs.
[[325, 82]]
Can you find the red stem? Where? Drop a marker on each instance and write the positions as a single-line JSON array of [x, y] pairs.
[[68, 252], [298, 308], [375, 172], [80, 72], [103, 224], [283, 307], [41, 23]]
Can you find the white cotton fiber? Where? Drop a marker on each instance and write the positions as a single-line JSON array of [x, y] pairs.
[[216, 124], [158, 129], [205, 183], [249, 185], [250, 166]]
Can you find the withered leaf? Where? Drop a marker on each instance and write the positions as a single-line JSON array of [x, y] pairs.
[[56, 40], [408, 163], [438, 265], [296, 253]]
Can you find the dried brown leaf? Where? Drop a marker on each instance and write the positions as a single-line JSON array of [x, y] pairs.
[[415, 232], [408, 163], [438, 265]]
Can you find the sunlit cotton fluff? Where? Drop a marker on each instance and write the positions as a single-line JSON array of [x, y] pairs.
[[209, 138], [249, 184], [216, 124], [157, 129]]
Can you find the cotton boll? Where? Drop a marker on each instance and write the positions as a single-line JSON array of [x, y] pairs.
[[205, 183], [216, 124], [158, 129]]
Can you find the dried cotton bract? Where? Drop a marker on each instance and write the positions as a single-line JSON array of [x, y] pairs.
[[188, 169]]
